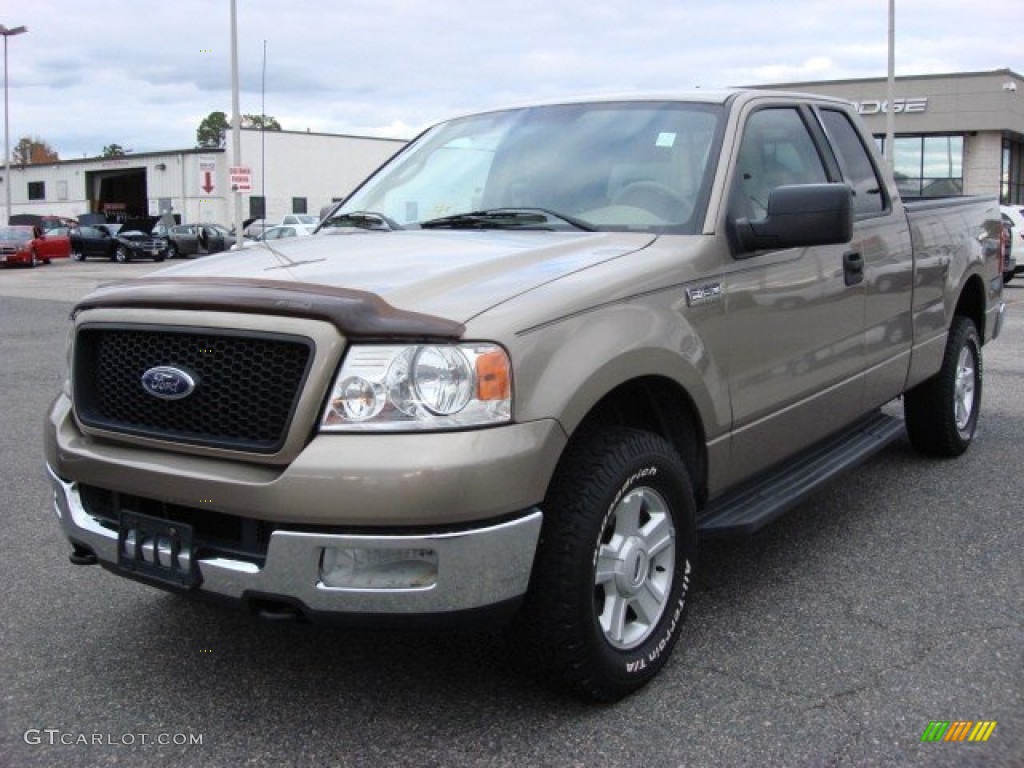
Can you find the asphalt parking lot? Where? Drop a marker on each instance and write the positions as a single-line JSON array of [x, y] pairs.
[[893, 598]]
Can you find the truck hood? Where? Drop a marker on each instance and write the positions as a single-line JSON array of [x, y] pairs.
[[453, 275]]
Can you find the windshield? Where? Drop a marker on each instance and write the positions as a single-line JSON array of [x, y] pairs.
[[607, 166]]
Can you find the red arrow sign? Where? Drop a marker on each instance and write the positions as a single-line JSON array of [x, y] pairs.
[[207, 185]]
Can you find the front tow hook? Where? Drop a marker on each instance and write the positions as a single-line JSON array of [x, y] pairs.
[[82, 555]]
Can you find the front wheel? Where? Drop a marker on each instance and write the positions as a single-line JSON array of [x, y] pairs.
[[614, 565], [942, 412], [121, 255]]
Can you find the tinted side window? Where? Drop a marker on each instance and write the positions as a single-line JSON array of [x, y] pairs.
[[855, 162], [777, 150]]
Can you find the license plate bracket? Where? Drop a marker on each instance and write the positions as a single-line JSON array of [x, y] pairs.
[[157, 549]]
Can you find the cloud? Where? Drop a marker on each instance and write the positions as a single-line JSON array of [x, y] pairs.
[[818, 68], [83, 80]]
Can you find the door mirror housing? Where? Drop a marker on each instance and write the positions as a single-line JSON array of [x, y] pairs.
[[799, 216]]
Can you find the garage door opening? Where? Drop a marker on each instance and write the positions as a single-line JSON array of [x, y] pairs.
[[117, 194]]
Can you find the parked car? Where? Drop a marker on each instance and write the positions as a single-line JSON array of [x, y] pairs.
[[279, 233], [300, 218], [1013, 219], [108, 241], [292, 230], [197, 239], [253, 228], [29, 246]]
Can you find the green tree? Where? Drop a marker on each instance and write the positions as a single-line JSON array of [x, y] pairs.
[[113, 150], [264, 122], [212, 130], [31, 150]]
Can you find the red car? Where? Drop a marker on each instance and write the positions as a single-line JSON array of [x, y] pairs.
[[30, 246]]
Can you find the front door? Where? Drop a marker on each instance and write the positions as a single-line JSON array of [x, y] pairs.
[[796, 329]]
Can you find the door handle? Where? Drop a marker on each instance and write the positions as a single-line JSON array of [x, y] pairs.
[[853, 268]]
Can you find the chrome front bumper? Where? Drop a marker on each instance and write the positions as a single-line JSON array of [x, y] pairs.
[[476, 567]]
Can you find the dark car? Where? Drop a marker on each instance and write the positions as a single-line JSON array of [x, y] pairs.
[[196, 239], [121, 245]]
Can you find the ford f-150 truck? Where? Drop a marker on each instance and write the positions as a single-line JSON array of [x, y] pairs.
[[523, 368]]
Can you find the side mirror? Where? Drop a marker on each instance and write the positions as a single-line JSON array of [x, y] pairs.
[[798, 216]]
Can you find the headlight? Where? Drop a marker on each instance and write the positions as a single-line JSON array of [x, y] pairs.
[[404, 387], [65, 372]]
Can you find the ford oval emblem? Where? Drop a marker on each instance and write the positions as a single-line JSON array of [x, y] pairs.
[[168, 383]]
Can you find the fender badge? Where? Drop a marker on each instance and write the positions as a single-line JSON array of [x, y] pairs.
[[168, 383], [704, 294]]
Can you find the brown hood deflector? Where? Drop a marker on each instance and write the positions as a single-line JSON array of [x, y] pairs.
[[356, 314]]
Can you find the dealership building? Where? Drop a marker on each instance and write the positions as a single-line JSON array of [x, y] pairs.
[[959, 133], [954, 134]]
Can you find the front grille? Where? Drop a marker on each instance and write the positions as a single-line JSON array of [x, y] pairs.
[[149, 244], [247, 385]]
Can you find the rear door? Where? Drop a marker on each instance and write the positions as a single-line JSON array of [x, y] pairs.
[[881, 238], [186, 239]]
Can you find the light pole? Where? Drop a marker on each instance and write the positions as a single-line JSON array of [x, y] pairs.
[[890, 99], [7, 128], [236, 126]]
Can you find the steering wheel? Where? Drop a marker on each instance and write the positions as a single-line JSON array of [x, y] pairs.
[[664, 202]]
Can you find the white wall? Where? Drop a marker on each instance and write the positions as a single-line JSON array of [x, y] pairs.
[[318, 167]]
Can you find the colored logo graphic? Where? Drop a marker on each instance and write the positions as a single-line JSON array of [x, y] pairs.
[[958, 730]]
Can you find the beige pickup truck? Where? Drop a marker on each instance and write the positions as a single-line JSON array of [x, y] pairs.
[[524, 368]]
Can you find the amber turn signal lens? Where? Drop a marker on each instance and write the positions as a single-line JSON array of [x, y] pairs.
[[493, 376]]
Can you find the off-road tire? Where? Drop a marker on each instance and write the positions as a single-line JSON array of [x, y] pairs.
[[942, 412], [607, 479]]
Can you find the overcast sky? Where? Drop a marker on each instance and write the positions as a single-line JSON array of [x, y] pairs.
[[143, 74]]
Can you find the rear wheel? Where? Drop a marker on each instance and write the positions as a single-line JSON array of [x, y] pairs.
[[614, 565], [942, 412], [78, 256], [33, 260]]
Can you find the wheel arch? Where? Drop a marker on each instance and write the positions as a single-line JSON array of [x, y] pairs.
[[660, 405], [971, 304]]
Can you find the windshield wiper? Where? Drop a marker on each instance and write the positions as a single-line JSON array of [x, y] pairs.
[[362, 220], [508, 218]]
